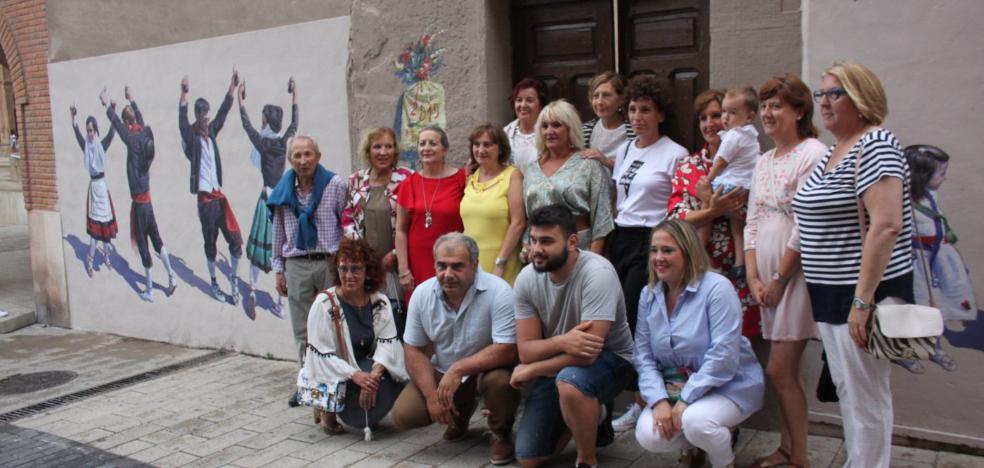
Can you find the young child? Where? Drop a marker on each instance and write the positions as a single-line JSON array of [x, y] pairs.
[[947, 278], [734, 162]]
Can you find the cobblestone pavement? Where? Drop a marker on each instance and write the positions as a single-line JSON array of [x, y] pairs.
[[233, 411]]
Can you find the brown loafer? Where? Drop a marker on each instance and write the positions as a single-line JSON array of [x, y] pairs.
[[454, 432], [501, 449], [458, 428]]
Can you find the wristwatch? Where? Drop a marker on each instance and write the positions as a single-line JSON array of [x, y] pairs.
[[500, 261], [859, 304], [781, 279]]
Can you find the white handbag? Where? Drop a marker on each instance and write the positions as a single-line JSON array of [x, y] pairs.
[[897, 330]]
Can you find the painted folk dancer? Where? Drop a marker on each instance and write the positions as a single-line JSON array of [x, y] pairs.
[[139, 141], [100, 215], [269, 155], [307, 208], [214, 210]]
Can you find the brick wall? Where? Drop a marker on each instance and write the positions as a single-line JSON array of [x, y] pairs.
[[24, 41]]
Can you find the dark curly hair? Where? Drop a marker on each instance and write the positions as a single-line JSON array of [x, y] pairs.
[[358, 251], [648, 87]]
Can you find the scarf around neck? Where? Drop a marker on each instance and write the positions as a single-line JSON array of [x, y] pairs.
[[284, 194]]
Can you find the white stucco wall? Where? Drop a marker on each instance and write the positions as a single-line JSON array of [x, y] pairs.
[[928, 56]]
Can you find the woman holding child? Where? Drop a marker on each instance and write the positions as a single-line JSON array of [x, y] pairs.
[[772, 253], [690, 188]]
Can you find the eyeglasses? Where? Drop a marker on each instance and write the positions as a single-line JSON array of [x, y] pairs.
[[354, 269], [832, 94]]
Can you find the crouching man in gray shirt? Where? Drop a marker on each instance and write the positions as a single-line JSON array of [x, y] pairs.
[[460, 343], [574, 341]]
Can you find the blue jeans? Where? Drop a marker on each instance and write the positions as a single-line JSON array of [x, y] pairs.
[[543, 424]]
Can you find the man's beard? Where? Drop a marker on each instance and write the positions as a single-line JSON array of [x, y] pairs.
[[553, 263]]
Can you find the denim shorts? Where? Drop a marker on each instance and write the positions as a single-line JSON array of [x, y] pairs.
[[543, 424]]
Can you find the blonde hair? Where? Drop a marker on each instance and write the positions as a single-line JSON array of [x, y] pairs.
[[563, 112], [373, 134], [694, 257], [748, 97], [863, 87]]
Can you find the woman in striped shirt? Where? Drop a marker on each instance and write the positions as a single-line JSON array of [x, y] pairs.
[[846, 272]]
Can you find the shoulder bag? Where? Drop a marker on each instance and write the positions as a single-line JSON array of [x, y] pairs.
[[897, 330]]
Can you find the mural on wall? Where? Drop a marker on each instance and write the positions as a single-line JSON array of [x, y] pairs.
[[100, 215], [269, 156], [197, 299], [422, 103], [941, 277]]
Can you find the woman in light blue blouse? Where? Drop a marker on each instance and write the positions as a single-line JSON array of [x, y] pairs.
[[697, 374]]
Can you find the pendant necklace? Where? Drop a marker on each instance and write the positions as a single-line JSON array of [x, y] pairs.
[[428, 220]]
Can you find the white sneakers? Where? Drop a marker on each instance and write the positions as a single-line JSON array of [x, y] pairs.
[[627, 421]]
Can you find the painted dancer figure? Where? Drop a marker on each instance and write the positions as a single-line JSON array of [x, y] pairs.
[[269, 155], [205, 180], [139, 141], [99, 213]]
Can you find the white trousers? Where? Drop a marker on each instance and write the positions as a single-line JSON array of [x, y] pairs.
[[706, 424], [865, 393]]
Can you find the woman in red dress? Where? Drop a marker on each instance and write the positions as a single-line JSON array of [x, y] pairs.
[[428, 203], [685, 203]]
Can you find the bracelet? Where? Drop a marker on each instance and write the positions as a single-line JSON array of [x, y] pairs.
[[405, 274], [500, 261]]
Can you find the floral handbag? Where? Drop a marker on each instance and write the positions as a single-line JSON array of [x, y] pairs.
[[674, 378]]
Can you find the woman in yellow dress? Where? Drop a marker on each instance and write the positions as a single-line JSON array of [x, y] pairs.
[[492, 209]]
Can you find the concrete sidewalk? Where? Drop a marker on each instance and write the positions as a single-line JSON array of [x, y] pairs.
[[232, 411]]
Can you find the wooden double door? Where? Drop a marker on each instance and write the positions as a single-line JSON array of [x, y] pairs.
[[566, 42]]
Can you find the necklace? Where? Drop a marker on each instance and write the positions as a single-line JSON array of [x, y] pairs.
[[428, 220]]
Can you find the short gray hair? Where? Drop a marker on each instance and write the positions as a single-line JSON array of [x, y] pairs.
[[459, 238], [303, 136]]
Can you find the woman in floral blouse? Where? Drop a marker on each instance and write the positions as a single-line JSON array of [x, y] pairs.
[[370, 212], [688, 191]]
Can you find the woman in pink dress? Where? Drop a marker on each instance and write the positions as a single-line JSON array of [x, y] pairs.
[[772, 252], [429, 203]]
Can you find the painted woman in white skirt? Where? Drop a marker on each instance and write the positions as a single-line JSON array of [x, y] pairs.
[[99, 213], [952, 290]]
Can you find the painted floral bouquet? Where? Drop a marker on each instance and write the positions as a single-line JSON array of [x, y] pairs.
[[419, 60]]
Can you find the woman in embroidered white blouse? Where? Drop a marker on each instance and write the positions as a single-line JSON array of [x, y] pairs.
[[353, 368]]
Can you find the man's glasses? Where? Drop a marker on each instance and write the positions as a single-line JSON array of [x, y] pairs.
[[354, 269], [832, 94]]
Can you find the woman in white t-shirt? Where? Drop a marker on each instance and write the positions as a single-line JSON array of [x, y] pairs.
[[529, 96], [608, 130], [642, 171]]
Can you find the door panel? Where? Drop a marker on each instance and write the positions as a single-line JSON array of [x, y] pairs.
[[669, 39], [564, 43]]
